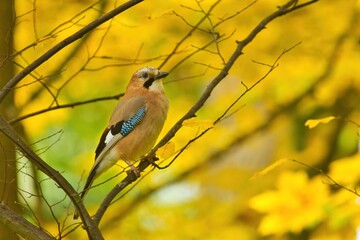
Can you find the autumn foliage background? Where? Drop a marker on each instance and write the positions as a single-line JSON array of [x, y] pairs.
[[261, 172]]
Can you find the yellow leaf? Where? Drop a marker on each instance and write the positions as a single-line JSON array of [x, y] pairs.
[[166, 151], [311, 123], [269, 168], [201, 124], [346, 170]]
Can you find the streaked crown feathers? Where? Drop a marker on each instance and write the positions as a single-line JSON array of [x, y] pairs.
[[149, 77]]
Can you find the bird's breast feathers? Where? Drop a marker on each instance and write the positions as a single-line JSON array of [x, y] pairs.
[[134, 126], [119, 130]]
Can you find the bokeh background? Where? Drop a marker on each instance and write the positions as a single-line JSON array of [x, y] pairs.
[[260, 173]]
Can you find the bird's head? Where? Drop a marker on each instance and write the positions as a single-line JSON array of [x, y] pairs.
[[148, 78]]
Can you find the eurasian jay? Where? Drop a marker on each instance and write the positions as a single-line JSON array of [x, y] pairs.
[[134, 125]]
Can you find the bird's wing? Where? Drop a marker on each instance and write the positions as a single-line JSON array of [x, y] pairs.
[[124, 119], [126, 116]]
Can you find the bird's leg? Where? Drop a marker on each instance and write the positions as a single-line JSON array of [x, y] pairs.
[[151, 159], [133, 169]]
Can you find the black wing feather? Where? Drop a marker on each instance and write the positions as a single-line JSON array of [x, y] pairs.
[[102, 143], [114, 129]]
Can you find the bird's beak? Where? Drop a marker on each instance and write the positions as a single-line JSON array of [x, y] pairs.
[[161, 75]]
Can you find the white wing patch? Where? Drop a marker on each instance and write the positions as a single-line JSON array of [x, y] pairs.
[[108, 137]]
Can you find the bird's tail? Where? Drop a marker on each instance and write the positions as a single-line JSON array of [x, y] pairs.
[[87, 186]]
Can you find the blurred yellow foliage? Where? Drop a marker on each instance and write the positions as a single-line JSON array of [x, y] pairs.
[[211, 190], [346, 170], [297, 203]]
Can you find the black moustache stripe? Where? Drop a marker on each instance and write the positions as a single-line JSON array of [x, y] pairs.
[[148, 83]]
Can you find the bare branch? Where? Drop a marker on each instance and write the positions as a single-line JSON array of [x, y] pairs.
[[236, 54], [224, 19], [225, 113], [217, 155], [284, 9], [67, 58], [247, 89], [53, 32], [93, 230], [21, 226], [213, 33], [327, 176], [208, 66], [190, 55], [62, 106], [79, 34], [187, 35]]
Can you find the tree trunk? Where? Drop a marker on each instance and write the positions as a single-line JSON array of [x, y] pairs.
[[8, 181]]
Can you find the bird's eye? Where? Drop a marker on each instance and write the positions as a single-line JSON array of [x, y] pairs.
[[145, 75]]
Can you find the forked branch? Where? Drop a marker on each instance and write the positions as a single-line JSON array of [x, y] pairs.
[[282, 10], [78, 35]]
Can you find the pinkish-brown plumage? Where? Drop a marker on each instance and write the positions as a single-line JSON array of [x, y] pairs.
[[140, 116]]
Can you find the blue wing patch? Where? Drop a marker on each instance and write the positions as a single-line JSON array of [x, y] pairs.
[[129, 125], [122, 127]]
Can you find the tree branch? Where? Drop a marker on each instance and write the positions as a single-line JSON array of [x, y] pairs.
[[54, 75], [187, 35], [224, 72], [22, 227], [215, 156], [61, 106], [91, 228], [282, 10], [333, 182], [79, 34]]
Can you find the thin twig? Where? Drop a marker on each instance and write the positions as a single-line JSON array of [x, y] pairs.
[[55, 73], [92, 230], [286, 8], [333, 182], [225, 113], [61, 106], [218, 155], [78, 35], [187, 36], [21, 226]]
